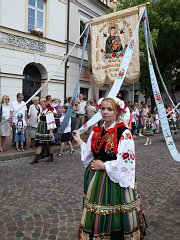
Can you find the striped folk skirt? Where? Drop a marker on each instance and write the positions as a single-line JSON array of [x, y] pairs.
[[148, 132], [42, 135], [172, 126], [109, 211]]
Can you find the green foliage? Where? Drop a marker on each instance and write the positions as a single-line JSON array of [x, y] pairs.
[[164, 20]]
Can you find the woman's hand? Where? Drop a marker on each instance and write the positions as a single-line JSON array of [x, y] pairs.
[[97, 165], [77, 137]]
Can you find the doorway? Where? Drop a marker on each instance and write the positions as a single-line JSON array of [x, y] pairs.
[[31, 82]]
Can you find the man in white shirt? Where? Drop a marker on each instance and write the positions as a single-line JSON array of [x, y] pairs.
[[80, 112], [15, 105]]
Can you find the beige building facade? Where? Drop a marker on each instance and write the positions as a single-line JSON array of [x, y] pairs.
[[32, 46]]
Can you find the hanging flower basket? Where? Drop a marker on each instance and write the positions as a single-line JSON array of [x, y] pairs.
[[37, 32]]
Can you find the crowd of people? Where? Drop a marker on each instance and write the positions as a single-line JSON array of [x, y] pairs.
[[27, 122], [143, 121]]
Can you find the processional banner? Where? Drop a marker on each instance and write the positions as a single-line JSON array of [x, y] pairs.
[[110, 35]]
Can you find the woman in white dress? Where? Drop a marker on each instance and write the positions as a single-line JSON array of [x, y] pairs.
[[5, 130]]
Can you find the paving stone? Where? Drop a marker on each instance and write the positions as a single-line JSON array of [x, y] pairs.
[[19, 234], [44, 201], [36, 235]]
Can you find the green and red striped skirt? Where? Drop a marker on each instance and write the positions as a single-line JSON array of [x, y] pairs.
[[42, 135], [109, 211]]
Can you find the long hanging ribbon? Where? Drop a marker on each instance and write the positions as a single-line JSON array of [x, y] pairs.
[[49, 78], [151, 47], [75, 92], [159, 102], [121, 75]]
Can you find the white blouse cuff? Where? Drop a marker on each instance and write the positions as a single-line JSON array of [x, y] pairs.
[[124, 176]]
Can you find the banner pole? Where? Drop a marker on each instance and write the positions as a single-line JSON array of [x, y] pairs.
[[115, 5]]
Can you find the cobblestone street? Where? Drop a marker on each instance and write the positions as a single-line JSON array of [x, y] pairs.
[[44, 201]]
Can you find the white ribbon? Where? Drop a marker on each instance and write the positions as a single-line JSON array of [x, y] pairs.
[[159, 102], [151, 47]]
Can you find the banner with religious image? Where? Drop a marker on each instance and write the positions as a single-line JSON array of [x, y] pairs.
[[110, 35]]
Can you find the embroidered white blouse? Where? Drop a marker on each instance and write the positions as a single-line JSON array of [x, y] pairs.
[[50, 120], [121, 170]]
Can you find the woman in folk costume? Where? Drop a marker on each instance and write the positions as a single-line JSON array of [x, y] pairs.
[[44, 135], [148, 129], [110, 200], [171, 115]]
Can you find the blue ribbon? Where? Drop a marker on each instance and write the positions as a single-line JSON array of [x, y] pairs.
[[76, 88], [159, 102]]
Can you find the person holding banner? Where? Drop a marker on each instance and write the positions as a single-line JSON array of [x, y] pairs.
[[80, 113], [15, 105], [110, 194], [66, 136]]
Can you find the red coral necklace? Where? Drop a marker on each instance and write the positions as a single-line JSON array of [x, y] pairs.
[[100, 141]]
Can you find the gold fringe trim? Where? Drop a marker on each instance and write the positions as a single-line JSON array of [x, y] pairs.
[[108, 209], [133, 236], [82, 235]]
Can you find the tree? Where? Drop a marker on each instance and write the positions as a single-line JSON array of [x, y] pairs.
[[164, 19]]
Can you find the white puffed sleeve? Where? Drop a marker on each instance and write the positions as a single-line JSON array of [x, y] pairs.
[[122, 170], [86, 154], [50, 121]]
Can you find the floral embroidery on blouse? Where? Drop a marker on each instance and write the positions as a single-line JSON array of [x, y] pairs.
[[128, 136], [128, 156]]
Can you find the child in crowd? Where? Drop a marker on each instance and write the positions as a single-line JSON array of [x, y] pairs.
[[171, 115], [141, 123], [20, 127], [156, 122], [66, 136], [148, 129], [133, 112]]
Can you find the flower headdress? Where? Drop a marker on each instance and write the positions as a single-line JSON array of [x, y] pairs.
[[48, 104], [170, 107], [119, 102]]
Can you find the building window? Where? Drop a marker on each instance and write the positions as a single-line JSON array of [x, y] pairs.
[[102, 93], [84, 91], [36, 9], [136, 98], [82, 27], [104, 1]]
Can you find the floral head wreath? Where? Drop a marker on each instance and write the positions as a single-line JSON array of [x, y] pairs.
[[170, 107], [119, 102], [48, 104]]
